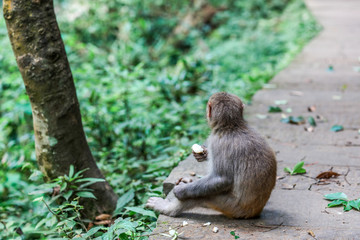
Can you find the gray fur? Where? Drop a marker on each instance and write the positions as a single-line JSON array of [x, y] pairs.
[[242, 167]]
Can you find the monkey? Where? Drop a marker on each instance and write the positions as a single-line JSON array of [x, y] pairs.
[[242, 167]]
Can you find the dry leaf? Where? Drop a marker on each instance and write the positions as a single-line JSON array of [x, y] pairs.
[[336, 97], [309, 129], [286, 186], [103, 217], [311, 233], [327, 174], [56, 191], [104, 222], [312, 108], [297, 93], [90, 225]]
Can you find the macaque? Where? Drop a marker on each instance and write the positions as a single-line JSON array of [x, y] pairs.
[[242, 167]]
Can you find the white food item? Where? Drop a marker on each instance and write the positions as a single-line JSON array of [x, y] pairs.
[[185, 223], [197, 148], [215, 230], [207, 224]]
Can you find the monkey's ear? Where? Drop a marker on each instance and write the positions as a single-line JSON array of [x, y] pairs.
[[209, 110]]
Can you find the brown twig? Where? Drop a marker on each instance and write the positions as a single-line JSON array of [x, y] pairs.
[[345, 175]]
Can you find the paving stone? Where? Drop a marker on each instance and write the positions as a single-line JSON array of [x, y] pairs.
[[297, 208]]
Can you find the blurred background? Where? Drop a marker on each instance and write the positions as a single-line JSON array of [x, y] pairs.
[[143, 72]]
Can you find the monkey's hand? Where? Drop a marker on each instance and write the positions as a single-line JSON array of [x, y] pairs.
[[180, 191], [200, 157]]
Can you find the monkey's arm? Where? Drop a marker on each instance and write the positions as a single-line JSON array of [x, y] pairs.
[[207, 186]]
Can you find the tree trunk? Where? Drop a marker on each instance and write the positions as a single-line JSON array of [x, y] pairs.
[[59, 136]]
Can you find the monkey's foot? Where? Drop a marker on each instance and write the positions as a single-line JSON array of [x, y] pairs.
[[161, 205], [156, 203]]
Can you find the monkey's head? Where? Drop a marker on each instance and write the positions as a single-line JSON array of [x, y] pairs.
[[224, 111]]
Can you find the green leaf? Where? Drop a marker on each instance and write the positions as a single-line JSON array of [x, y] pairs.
[[293, 120], [355, 204], [298, 168], [123, 200], [93, 180], [287, 170], [85, 195], [347, 206], [141, 211], [275, 109], [311, 121], [38, 199], [337, 128], [335, 196], [92, 231], [68, 194], [337, 202], [232, 233], [71, 171]]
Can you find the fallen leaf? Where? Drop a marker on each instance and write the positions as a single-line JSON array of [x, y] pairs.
[[261, 116], [330, 68], [280, 102], [309, 129], [104, 222], [56, 191], [336, 97], [321, 118], [293, 120], [286, 186], [274, 109], [327, 174], [288, 110], [103, 217], [337, 128], [344, 87], [90, 225], [311, 121], [296, 93], [312, 108], [269, 86], [311, 233]]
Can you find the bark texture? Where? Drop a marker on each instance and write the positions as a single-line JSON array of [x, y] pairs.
[[59, 136]]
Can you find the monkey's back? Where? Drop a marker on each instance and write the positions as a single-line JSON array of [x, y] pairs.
[[246, 156]]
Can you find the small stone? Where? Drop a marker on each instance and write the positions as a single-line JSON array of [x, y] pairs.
[[192, 174], [215, 230]]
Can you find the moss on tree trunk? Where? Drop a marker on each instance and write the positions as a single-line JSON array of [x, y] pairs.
[[59, 136]]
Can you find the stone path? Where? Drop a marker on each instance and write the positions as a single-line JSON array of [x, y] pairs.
[[297, 209]]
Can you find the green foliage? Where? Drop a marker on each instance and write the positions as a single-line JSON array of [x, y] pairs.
[[298, 169], [340, 199], [142, 93]]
